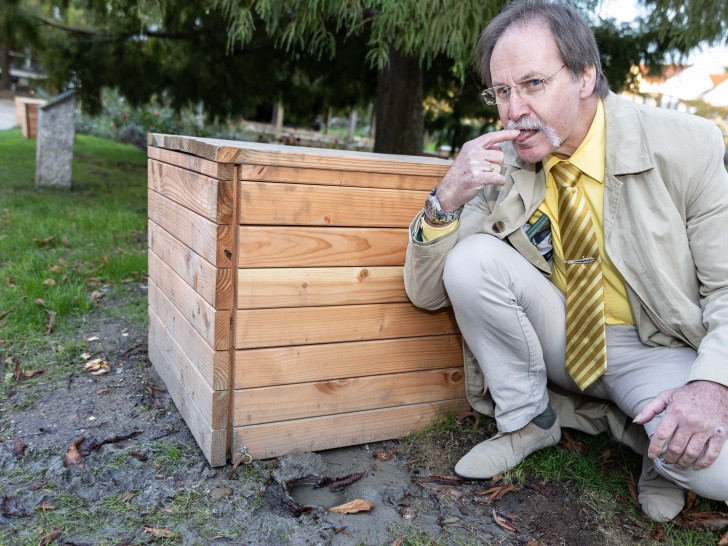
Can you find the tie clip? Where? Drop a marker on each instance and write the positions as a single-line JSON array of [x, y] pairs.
[[581, 260]]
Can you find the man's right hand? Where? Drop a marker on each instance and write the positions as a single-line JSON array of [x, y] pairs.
[[478, 164]]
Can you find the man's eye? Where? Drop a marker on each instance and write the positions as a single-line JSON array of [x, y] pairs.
[[535, 83], [502, 91]]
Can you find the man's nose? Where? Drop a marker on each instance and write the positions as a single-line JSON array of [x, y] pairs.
[[517, 107]]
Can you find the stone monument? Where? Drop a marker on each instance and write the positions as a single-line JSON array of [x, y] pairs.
[[54, 146]]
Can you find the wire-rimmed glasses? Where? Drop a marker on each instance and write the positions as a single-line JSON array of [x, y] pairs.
[[532, 87]]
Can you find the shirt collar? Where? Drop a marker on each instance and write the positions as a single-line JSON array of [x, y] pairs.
[[590, 156]]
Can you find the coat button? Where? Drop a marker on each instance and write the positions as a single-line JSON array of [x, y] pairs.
[[498, 227]]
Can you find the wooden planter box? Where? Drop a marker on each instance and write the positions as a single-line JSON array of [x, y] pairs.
[[277, 313], [26, 115]]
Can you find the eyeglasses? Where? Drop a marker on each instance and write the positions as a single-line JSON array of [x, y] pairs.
[[501, 94]]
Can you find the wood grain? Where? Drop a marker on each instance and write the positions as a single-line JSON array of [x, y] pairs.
[[213, 405], [213, 325], [305, 363], [295, 175], [263, 246], [263, 405], [213, 443], [315, 286], [221, 171], [214, 284], [213, 366], [230, 151], [212, 242], [280, 204], [207, 196], [317, 433], [309, 325]]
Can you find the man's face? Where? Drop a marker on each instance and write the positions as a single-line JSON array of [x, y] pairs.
[[554, 122]]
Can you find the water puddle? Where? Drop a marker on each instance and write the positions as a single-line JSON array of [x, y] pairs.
[[303, 492]]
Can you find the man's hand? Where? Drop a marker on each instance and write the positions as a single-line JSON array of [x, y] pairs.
[[479, 163], [695, 423]]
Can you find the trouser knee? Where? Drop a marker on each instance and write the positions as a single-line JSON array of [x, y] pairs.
[[470, 265], [710, 482]]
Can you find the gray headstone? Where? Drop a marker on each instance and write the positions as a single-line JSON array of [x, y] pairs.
[[54, 146]]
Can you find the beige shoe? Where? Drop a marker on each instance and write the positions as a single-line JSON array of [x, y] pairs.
[[506, 450], [661, 499]]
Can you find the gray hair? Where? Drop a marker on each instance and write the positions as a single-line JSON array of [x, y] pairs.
[[574, 38]]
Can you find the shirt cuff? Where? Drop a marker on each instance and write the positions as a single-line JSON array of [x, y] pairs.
[[429, 232]]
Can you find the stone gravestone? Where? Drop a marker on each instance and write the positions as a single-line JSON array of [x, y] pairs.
[[54, 146]]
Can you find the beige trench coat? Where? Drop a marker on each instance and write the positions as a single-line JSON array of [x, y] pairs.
[[666, 231]]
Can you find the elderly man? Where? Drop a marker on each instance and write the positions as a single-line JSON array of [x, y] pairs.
[[584, 250]]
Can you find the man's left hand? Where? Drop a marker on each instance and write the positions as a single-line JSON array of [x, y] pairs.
[[694, 426]]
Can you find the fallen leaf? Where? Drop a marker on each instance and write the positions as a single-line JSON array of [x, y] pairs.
[[50, 537], [56, 268], [49, 282], [568, 443], [165, 533], [128, 497], [399, 541], [97, 296], [691, 501], [495, 493], [441, 480], [723, 540], [139, 455], [37, 485], [382, 455], [11, 284], [715, 521], [496, 479], [93, 338], [6, 313], [337, 484], [97, 367], [451, 492], [85, 356], [18, 448], [39, 301], [31, 373], [449, 521], [73, 458], [503, 522], [17, 373], [51, 320], [408, 513], [357, 505], [339, 529], [44, 506], [659, 533], [152, 389]]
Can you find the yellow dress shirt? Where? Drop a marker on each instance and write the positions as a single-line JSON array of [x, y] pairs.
[[590, 158]]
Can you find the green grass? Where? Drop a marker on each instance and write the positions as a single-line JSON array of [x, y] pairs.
[[58, 246]]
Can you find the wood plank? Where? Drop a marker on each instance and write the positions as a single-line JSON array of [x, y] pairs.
[[213, 443], [302, 400], [213, 405], [208, 197], [188, 162], [311, 325], [270, 246], [214, 284], [214, 366], [280, 204], [304, 363], [304, 287], [212, 242], [213, 325], [295, 175], [230, 151], [317, 433]]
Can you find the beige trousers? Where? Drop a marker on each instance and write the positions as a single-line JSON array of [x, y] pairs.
[[513, 320]]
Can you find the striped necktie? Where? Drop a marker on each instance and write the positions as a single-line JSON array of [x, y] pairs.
[[586, 346]]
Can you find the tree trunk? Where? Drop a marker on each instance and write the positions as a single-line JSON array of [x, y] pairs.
[[352, 126], [400, 125], [5, 81]]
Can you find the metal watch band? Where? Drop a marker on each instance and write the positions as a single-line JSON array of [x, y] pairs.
[[434, 212]]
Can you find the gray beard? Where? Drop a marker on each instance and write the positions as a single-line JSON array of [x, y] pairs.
[[537, 125]]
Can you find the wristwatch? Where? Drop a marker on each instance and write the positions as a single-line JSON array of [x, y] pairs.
[[434, 212]]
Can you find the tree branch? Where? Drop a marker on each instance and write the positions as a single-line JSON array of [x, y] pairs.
[[106, 34]]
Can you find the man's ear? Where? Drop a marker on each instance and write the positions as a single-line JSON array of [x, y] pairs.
[[588, 81]]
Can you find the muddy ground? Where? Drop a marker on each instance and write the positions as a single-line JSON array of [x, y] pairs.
[[109, 460]]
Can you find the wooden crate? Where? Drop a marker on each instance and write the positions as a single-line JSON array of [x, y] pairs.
[[26, 115], [277, 313]]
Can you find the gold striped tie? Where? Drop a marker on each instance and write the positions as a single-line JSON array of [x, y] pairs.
[[586, 346]]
